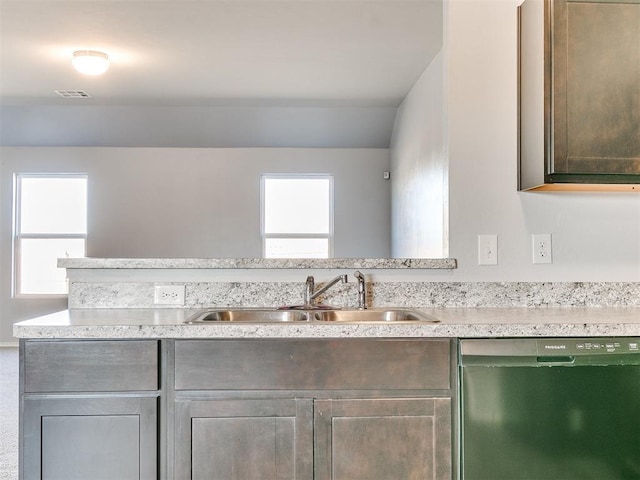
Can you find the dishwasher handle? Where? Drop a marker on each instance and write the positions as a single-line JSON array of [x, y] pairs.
[[557, 360]]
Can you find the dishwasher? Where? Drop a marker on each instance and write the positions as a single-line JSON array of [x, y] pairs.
[[550, 409]]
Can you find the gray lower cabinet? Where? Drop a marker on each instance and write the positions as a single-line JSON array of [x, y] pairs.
[[287, 409], [99, 438], [244, 439], [321, 439], [382, 439], [89, 410], [313, 409]]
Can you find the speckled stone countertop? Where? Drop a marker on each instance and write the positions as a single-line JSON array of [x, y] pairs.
[[257, 263], [453, 322]]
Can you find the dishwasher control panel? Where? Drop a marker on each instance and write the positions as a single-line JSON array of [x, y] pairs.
[[588, 346], [550, 347]]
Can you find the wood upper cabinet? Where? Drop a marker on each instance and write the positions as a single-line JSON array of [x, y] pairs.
[[579, 79]]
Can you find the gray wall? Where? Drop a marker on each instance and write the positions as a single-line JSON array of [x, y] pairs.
[[595, 236], [419, 166], [80, 124], [194, 202]]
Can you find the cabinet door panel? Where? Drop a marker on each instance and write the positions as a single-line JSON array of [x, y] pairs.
[[244, 439], [379, 439], [92, 437], [243, 448], [84, 440], [596, 98], [379, 448]]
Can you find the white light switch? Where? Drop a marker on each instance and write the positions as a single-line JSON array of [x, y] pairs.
[[487, 249]]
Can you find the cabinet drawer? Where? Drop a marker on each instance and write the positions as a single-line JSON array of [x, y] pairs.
[[350, 364], [90, 366]]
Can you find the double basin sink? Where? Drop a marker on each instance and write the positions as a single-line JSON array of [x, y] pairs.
[[297, 314]]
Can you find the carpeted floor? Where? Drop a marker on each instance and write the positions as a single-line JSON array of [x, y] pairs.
[[8, 413]]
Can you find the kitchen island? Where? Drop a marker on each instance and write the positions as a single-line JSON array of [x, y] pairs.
[[118, 375], [295, 400]]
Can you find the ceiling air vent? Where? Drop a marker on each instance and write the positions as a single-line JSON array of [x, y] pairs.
[[73, 93]]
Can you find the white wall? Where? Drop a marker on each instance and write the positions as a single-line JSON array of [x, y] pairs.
[[195, 202], [418, 168], [595, 236]]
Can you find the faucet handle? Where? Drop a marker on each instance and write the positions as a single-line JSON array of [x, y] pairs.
[[362, 290], [309, 286]]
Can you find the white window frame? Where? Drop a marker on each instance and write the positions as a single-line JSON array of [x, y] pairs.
[[296, 176], [18, 235]]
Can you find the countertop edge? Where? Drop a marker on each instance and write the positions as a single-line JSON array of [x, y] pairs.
[[257, 263], [454, 322]]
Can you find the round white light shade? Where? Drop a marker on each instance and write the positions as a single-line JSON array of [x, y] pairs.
[[90, 62]]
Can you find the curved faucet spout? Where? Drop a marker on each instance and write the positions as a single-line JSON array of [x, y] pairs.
[[310, 295]]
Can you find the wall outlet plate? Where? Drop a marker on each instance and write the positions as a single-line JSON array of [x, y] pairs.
[[542, 252], [168, 294]]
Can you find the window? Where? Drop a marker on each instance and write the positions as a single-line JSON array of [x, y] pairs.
[[297, 216], [50, 221]]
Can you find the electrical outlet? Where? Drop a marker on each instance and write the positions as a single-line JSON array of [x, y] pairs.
[[487, 250], [168, 295], [542, 252]]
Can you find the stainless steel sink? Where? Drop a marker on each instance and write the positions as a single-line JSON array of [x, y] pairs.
[[249, 315], [376, 315]]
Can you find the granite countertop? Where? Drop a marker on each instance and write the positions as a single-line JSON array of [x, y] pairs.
[[257, 263], [454, 322]]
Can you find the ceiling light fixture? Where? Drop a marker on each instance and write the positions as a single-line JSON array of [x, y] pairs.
[[90, 62]]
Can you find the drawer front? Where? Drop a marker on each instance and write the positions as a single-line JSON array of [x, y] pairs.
[[351, 364], [90, 366]]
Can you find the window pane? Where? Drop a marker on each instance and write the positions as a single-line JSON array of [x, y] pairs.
[[53, 205], [297, 248], [39, 273], [297, 205]]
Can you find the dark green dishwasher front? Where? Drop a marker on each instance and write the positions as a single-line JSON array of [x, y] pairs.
[[550, 409]]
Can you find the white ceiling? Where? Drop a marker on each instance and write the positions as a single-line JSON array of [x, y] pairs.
[[210, 52]]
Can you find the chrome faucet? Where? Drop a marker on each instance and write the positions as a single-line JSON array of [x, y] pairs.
[[310, 295], [362, 290]]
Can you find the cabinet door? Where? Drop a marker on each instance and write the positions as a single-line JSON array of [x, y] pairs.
[[596, 78], [92, 437], [579, 73], [244, 439], [380, 439]]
